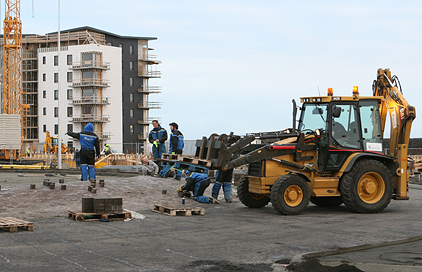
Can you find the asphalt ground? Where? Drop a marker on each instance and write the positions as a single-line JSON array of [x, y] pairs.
[[229, 237]]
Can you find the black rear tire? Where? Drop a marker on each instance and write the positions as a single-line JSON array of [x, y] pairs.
[[327, 201], [290, 194], [368, 187], [250, 199]]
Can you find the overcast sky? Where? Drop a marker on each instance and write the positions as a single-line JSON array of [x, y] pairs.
[[235, 65]]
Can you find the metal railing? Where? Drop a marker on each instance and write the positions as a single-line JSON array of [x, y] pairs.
[[143, 73], [90, 64], [90, 101], [148, 121], [90, 82], [150, 89], [150, 105], [93, 118]]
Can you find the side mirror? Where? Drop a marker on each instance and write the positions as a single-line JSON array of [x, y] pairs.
[[336, 112]]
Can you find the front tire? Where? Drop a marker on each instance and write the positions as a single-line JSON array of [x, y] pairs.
[[368, 187], [250, 199], [290, 194]]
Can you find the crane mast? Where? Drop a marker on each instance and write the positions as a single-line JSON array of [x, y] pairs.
[[12, 60]]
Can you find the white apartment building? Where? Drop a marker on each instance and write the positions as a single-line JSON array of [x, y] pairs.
[[90, 92]]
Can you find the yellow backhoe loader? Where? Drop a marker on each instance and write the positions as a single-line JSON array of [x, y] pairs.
[[51, 144], [334, 156]]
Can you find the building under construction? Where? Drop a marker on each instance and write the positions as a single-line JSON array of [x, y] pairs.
[[104, 79]]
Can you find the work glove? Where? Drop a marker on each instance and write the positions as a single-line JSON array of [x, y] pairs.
[[173, 153], [155, 143], [65, 133], [180, 189]]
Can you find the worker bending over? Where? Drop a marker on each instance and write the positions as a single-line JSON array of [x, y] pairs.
[[223, 178], [197, 183], [88, 140]]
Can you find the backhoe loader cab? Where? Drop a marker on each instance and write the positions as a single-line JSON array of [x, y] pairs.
[[345, 124], [334, 156]]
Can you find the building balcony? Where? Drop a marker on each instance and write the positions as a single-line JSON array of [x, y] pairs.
[[104, 135], [149, 74], [150, 90], [148, 120], [150, 105], [90, 101], [91, 118], [90, 64], [90, 82], [142, 136], [149, 59]]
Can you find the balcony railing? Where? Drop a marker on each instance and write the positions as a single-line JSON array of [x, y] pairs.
[[90, 82], [148, 120], [93, 118], [150, 89], [152, 59], [155, 74], [142, 136], [150, 105], [104, 135], [90, 64], [90, 101]]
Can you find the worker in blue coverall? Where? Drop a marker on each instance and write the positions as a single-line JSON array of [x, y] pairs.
[[197, 183], [88, 140], [176, 147], [223, 178], [157, 136]]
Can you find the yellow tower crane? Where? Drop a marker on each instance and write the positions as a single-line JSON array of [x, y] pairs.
[[12, 62]]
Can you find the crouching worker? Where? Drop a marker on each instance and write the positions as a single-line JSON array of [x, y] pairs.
[[149, 167], [197, 183]]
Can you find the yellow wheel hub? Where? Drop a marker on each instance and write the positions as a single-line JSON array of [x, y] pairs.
[[293, 195], [371, 187]]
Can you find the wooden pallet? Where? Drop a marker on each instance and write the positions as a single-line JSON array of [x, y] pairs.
[[193, 160], [80, 216], [178, 211], [186, 159], [12, 224]]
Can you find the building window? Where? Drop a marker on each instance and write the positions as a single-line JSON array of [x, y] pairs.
[[44, 60], [110, 43], [69, 76], [131, 65], [87, 92], [44, 77], [56, 94], [56, 111], [123, 66], [131, 82], [131, 113], [56, 77], [69, 94], [44, 111], [44, 128], [56, 129], [123, 81], [56, 60], [44, 94], [131, 129], [70, 127], [69, 60], [131, 97], [131, 49], [69, 111]]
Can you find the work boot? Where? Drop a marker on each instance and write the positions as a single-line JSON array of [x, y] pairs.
[[213, 200]]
